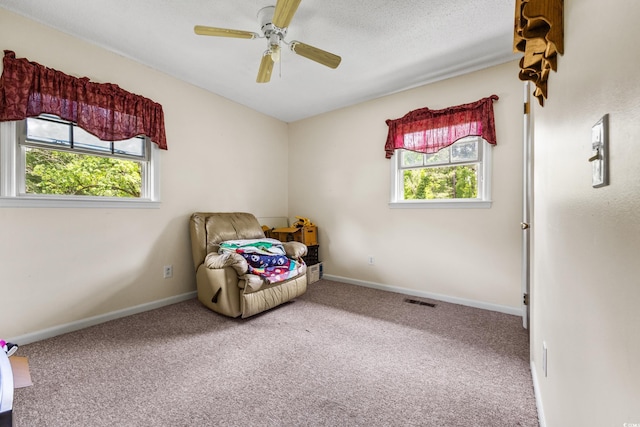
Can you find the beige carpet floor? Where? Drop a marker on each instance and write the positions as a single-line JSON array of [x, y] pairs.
[[340, 355]]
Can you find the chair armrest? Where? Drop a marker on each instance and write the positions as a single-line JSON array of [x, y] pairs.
[[295, 250], [228, 259]]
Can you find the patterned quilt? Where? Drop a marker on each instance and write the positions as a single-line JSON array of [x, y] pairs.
[[266, 258]]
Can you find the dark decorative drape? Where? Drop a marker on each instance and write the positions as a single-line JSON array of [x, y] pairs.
[[28, 89], [427, 131]]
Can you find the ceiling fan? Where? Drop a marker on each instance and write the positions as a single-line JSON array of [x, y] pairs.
[[274, 21]]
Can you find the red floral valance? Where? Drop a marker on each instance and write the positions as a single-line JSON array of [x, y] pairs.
[[28, 89], [427, 131]]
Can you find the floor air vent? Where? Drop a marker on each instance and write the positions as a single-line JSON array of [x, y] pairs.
[[415, 301]]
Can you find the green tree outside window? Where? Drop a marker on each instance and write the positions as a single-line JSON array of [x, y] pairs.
[[67, 173]]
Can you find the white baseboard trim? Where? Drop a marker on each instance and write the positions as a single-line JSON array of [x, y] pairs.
[[96, 320], [536, 390], [516, 311]]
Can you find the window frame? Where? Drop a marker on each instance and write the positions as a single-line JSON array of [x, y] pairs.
[[484, 184], [12, 176], [74, 144]]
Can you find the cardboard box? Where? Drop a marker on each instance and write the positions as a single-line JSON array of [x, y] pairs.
[[314, 273], [21, 373], [284, 234], [307, 235]]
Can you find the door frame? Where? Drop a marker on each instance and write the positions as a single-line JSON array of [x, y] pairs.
[[527, 204]]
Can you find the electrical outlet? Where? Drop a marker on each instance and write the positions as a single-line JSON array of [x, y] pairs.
[[371, 260], [167, 271]]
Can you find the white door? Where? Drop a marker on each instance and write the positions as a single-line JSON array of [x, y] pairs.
[[527, 202]]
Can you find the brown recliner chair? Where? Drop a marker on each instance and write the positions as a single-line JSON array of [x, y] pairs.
[[223, 283]]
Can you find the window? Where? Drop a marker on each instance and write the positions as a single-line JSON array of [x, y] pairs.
[[441, 158], [455, 176], [47, 161]]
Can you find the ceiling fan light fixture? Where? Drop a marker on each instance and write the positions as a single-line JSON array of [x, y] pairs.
[[274, 51]]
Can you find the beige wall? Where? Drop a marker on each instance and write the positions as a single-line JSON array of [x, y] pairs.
[[341, 180], [64, 265], [586, 274]]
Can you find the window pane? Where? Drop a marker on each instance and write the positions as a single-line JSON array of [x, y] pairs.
[[465, 150], [411, 158], [130, 147], [68, 173], [440, 157], [450, 182], [48, 131], [466, 181], [87, 141]]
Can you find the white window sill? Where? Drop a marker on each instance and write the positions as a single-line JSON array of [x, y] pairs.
[[75, 202], [441, 204]]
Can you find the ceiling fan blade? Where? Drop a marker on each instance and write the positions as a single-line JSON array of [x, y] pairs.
[[285, 9], [313, 53], [266, 67], [223, 32]]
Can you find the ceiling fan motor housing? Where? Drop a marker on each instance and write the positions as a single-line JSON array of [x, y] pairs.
[[272, 33]]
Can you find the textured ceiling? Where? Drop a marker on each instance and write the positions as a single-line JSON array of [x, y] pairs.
[[386, 46]]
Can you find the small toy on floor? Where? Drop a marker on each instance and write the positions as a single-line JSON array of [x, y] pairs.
[[8, 347]]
